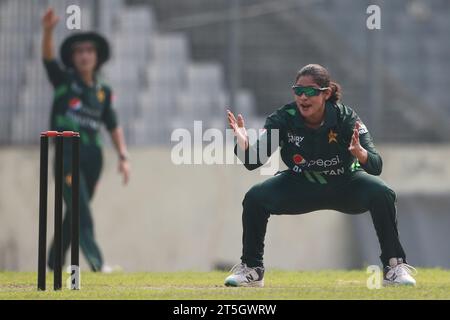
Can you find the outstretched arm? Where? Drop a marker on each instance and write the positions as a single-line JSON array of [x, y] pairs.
[[252, 155], [238, 126]]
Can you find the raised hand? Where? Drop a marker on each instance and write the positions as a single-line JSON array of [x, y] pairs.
[[49, 19], [238, 126], [355, 147]]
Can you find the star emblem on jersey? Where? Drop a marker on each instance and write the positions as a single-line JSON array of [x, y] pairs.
[[332, 136], [101, 95]]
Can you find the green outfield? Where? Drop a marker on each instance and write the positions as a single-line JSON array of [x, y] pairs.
[[432, 284]]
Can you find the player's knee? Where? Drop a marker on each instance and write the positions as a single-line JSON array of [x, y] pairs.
[[253, 196], [255, 204], [384, 192]]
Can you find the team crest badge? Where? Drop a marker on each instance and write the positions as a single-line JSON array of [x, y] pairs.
[[101, 95], [332, 136]]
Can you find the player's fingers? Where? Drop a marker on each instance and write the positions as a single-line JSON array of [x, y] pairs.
[[125, 173], [356, 135], [45, 15], [232, 124], [241, 122], [126, 177], [231, 115], [50, 13], [353, 140], [231, 118]]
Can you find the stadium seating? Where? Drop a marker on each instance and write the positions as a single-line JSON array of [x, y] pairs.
[[158, 52], [157, 86], [277, 40]]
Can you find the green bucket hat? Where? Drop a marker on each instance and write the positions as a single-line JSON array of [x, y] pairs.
[[102, 45]]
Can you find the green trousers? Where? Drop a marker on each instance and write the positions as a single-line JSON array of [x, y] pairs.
[[90, 169], [292, 193]]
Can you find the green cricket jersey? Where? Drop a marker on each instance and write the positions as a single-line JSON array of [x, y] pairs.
[[78, 107], [320, 154]]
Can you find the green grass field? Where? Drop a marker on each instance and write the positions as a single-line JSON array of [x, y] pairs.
[[432, 284]]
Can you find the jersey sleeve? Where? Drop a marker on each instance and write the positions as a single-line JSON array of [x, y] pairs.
[[109, 116], [374, 164], [259, 151], [56, 75]]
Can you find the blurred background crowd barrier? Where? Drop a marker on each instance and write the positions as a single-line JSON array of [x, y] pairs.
[[176, 61]]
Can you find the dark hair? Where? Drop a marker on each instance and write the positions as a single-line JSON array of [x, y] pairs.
[[321, 77]]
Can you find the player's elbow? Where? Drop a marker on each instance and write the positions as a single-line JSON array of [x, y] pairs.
[[377, 172], [378, 168], [251, 167]]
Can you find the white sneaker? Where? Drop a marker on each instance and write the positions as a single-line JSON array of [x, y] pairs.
[[244, 276], [399, 273]]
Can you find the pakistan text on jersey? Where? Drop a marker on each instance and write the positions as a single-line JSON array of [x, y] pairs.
[[89, 112], [336, 172], [83, 121]]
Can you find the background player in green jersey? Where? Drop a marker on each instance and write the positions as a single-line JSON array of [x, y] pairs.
[[82, 103]]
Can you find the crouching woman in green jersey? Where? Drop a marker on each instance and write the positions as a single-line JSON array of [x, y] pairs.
[[82, 103], [332, 163]]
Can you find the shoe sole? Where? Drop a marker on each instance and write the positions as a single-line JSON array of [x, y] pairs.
[[387, 283], [253, 284]]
